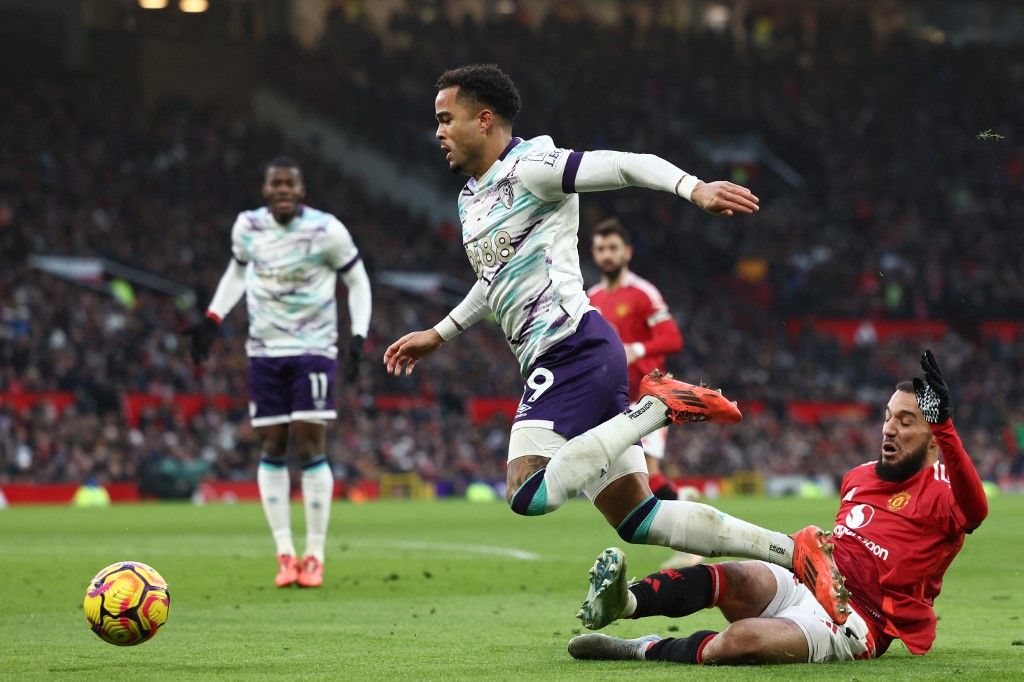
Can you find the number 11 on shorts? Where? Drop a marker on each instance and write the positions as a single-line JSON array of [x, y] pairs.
[[318, 386]]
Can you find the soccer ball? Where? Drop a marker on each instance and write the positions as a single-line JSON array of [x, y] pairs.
[[126, 603]]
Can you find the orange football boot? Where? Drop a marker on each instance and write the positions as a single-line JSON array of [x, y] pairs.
[[689, 403], [311, 572], [287, 570], [814, 566]]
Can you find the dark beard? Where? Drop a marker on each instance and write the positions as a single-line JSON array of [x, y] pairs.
[[901, 471], [612, 275]]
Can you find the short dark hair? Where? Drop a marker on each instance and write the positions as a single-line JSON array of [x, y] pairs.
[[282, 162], [610, 226], [907, 386], [486, 85]]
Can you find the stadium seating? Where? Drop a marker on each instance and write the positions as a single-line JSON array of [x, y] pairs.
[[904, 223]]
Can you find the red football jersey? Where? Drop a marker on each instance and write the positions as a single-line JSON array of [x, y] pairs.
[[894, 542], [639, 315]]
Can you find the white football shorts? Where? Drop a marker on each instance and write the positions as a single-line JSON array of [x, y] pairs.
[[826, 641]]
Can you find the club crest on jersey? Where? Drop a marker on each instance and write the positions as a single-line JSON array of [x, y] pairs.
[[899, 501], [505, 192], [622, 309]]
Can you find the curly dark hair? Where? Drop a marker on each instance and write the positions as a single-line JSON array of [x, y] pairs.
[[610, 226], [486, 85]]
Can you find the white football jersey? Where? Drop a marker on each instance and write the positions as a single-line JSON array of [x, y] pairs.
[[523, 247], [290, 280]]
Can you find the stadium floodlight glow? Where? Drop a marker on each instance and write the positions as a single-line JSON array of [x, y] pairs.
[[193, 6], [153, 4]]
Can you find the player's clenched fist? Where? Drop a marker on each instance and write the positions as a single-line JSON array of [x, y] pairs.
[[724, 198], [406, 351]]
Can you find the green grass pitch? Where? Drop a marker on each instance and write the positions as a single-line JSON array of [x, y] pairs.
[[423, 590]]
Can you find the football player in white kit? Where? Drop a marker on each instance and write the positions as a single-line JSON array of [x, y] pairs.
[[286, 259], [574, 431]]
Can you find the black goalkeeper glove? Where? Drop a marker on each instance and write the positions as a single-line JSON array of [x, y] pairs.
[[203, 333], [932, 393], [353, 358]]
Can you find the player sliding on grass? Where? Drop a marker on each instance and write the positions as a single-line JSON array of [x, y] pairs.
[[573, 432], [286, 258], [901, 521]]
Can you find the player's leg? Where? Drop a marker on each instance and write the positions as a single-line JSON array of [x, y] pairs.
[[664, 489], [570, 390], [748, 593], [309, 443], [792, 628], [270, 413], [625, 500], [312, 406], [275, 495], [654, 451]]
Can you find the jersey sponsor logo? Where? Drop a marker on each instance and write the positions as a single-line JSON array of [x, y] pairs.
[[622, 309], [899, 501], [860, 516], [873, 547]]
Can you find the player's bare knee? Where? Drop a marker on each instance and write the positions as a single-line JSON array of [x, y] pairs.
[[622, 498], [307, 440], [742, 642], [273, 441], [751, 588], [519, 471]]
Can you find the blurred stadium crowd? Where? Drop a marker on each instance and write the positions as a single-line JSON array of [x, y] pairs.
[[888, 207]]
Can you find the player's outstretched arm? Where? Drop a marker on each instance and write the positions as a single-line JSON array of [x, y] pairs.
[[602, 170], [404, 353], [933, 396]]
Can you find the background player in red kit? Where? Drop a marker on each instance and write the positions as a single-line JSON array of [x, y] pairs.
[[636, 310], [901, 521]]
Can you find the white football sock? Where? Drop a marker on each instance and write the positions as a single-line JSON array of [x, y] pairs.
[[275, 493], [317, 493], [587, 456], [702, 529]]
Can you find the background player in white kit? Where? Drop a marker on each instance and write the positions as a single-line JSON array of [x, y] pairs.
[[573, 432], [286, 258]]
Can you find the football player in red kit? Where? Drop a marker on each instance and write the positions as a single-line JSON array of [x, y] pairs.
[[638, 313], [902, 519]]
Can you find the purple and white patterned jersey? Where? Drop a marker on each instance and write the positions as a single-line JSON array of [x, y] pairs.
[[521, 242], [290, 280]]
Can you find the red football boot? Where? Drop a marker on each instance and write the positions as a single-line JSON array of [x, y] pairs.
[[689, 403], [311, 572], [287, 570], [814, 567]]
